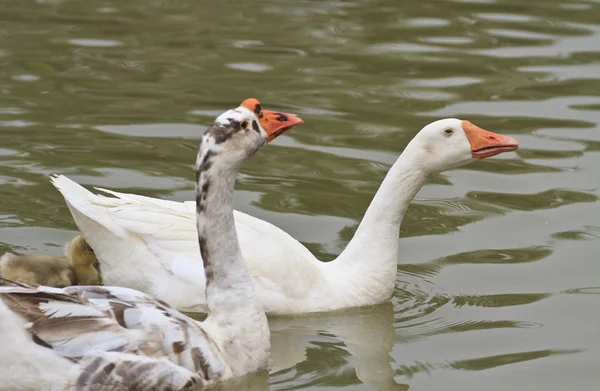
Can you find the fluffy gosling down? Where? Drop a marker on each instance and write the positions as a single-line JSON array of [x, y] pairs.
[[76, 267]]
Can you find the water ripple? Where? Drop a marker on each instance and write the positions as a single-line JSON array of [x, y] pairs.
[[497, 265]]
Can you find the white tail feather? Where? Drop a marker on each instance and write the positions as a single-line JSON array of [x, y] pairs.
[[83, 202]]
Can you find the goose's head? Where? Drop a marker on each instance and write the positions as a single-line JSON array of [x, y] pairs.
[[239, 133], [451, 143], [80, 253]]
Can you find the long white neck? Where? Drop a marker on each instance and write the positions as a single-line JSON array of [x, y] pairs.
[[370, 259], [233, 306]]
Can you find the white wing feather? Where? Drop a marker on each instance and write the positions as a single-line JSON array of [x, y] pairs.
[[78, 321], [26, 365]]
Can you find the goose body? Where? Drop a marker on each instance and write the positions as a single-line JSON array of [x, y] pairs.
[[76, 267], [149, 244], [154, 241], [114, 338]]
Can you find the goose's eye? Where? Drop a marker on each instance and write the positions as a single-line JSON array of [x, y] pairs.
[[448, 132], [244, 124]]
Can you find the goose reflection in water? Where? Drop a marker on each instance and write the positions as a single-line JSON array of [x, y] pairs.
[[257, 381], [331, 343], [320, 349]]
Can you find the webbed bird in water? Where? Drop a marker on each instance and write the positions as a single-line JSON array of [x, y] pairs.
[[109, 338], [75, 268], [129, 230]]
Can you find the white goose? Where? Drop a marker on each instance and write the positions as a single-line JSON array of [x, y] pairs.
[[112, 338], [150, 244]]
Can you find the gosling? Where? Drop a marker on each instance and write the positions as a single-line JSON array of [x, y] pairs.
[[76, 267]]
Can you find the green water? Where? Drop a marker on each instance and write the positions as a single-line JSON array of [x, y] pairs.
[[498, 283]]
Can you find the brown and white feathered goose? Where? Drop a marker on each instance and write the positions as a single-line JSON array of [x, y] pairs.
[[113, 338]]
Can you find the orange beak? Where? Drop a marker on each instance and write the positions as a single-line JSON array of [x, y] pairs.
[[485, 144], [274, 123]]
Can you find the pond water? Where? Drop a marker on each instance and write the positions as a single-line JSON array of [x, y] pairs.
[[498, 284]]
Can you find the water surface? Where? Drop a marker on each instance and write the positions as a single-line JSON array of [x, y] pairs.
[[498, 283]]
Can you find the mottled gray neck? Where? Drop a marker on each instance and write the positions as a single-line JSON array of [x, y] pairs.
[[228, 283], [234, 311]]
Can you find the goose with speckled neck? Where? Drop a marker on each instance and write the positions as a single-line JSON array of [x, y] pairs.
[[108, 337]]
